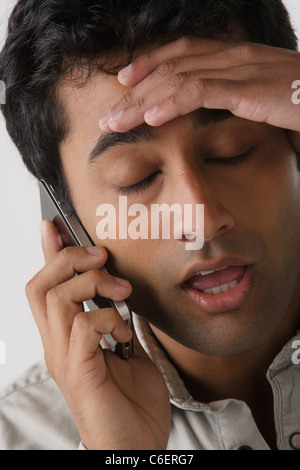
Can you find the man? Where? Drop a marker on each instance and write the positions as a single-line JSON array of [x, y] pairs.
[[199, 115]]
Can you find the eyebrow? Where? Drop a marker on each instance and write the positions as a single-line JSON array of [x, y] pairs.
[[140, 134], [145, 134]]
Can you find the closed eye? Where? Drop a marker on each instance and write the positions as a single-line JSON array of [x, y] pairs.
[[140, 186], [146, 182], [231, 161]]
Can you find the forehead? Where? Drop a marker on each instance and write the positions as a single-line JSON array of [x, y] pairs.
[[84, 105], [86, 99], [84, 102]]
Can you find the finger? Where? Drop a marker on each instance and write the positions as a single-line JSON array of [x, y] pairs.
[[138, 100], [87, 331], [67, 263], [51, 240], [154, 88], [202, 93], [221, 52], [246, 99], [86, 286], [64, 302], [124, 117], [174, 73], [60, 268], [178, 83], [63, 266], [235, 62], [38, 308], [187, 45]]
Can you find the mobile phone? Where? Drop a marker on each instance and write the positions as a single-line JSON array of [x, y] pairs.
[[73, 233]]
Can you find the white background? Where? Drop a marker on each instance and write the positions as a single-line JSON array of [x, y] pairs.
[[20, 252]]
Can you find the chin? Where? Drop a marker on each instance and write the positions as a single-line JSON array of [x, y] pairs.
[[226, 334]]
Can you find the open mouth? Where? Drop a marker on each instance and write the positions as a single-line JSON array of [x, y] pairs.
[[223, 289]]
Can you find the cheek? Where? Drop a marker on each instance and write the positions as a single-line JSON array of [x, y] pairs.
[[134, 260], [277, 200], [271, 197], [280, 194]]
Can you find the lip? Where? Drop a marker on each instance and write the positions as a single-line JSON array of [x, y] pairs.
[[226, 301], [222, 263]]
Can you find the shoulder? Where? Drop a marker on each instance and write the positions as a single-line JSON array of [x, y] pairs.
[[34, 414], [35, 375]]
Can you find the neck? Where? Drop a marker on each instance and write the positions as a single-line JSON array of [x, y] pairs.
[[241, 376]]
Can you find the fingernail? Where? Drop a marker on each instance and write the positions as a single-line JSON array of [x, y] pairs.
[[122, 282], [124, 73], [116, 116], [151, 112], [95, 250], [104, 120]]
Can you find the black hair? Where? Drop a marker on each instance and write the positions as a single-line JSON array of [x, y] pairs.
[[48, 38]]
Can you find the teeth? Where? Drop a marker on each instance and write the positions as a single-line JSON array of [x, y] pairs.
[[204, 273], [221, 289]]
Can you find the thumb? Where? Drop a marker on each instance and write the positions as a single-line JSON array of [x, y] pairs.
[[51, 240]]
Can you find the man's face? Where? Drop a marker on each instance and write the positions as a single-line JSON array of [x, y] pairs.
[[251, 222]]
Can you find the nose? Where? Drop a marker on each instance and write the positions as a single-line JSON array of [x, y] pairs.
[[193, 189]]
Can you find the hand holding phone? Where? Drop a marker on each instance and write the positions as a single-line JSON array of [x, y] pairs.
[[74, 234], [116, 404]]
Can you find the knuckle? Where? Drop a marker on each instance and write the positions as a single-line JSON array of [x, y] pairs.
[[127, 98], [178, 80], [81, 321], [66, 253], [186, 43], [200, 85], [55, 295], [94, 279], [50, 296], [140, 103], [31, 288], [173, 100], [95, 276], [66, 258], [167, 67], [244, 51]]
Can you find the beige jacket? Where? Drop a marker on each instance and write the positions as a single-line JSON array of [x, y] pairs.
[[34, 415]]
